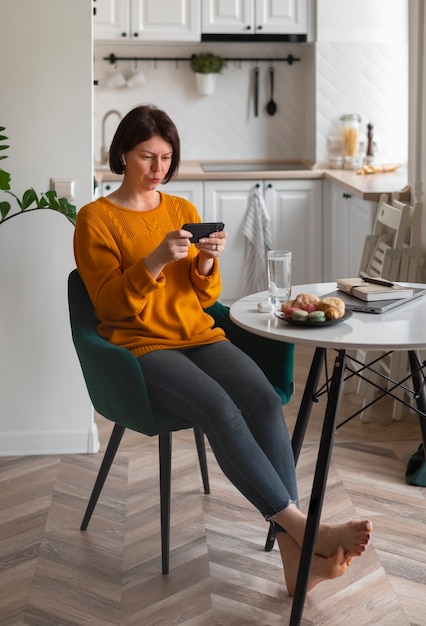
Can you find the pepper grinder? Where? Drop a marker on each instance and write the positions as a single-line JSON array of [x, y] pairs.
[[369, 156]]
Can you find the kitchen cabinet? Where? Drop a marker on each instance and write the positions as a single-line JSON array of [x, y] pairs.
[[146, 20], [347, 221], [296, 224], [254, 16], [192, 190], [295, 207]]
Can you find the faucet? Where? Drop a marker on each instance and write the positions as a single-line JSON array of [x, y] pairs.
[[104, 148]]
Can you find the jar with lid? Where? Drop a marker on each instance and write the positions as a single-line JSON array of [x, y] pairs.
[[350, 124]]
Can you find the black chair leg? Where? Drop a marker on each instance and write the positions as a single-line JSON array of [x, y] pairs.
[[165, 451], [114, 442], [270, 539], [202, 458]]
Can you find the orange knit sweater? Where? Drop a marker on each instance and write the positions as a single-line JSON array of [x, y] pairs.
[[135, 310]]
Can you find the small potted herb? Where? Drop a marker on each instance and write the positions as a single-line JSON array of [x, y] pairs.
[[206, 67]]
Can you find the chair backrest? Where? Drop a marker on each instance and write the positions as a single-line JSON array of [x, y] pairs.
[[382, 251], [114, 380], [412, 257]]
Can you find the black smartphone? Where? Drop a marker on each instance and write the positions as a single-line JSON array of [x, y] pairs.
[[203, 229]]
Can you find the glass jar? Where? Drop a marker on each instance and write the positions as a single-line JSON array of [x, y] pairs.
[[350, 138]]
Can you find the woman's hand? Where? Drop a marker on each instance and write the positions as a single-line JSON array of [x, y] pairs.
[[174, 246], [210, 248]]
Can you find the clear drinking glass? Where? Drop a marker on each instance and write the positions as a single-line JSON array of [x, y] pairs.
[[279, 276]]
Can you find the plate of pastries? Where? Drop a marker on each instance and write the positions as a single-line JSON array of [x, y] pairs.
[[310, 310]]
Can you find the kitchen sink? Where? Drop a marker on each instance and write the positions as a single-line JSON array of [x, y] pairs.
[[254, 167]]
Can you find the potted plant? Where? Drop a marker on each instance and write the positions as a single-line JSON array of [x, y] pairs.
[[206, 67], [30, 200]]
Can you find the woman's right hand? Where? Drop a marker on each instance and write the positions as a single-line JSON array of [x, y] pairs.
[[174, 247]]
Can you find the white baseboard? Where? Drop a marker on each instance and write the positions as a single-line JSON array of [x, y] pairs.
[[50, 442]]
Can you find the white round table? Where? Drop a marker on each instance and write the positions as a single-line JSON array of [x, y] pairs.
[[402, 328]]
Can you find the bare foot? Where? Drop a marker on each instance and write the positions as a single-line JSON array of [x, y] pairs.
[[353, 536], [322, 568]]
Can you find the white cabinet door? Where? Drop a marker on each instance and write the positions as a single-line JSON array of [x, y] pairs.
[[347, 222], [296, 213], [227, 201], [295, 208], [111, 19], [147, 20], [228, 16], [163, 20], [281, 16], [192, 190], [254, 16]]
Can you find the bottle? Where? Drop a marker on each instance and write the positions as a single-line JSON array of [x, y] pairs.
[[350, 137], [369, 155]]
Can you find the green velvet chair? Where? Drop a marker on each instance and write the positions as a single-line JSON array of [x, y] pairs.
[[117, 390]]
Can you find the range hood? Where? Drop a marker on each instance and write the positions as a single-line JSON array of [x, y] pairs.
[[290, 38]]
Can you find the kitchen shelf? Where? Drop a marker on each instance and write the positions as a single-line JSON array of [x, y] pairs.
[[290, 59]]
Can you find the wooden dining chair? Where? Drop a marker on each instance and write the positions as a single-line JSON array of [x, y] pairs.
[[393, 252], [116, 386]]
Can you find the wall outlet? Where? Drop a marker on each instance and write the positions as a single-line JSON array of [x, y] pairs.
[[64, 187]]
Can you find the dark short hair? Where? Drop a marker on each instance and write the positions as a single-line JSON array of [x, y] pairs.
[[140, 124]]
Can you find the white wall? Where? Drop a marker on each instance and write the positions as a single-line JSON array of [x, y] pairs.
[[362, 67], [417, 131], [46, 107]]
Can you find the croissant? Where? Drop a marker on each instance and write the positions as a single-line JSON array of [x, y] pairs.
[[334, 308]]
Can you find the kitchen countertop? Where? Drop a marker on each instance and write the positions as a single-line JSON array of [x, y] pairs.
[[366, 187]]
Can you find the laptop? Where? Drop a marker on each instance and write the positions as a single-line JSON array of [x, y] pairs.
[[379, 306]]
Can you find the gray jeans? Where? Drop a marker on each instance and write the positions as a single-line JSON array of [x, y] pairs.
[[222, 390]]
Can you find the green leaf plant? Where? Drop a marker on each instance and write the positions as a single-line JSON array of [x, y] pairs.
[[30, 201]]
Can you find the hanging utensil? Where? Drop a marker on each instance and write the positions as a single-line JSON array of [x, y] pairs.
[[271, 107], [256, 91]]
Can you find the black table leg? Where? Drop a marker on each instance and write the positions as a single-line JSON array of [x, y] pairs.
[[302, 420], [318, 488], [307, 401], [419, 385]]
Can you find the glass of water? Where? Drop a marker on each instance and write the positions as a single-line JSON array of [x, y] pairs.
[[279, 276]]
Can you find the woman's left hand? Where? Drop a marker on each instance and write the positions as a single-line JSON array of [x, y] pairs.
[[213, 245]]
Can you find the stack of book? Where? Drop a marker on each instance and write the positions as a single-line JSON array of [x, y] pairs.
[[373, 289]]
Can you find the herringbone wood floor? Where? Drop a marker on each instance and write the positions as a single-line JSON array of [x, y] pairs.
[[53, 575]]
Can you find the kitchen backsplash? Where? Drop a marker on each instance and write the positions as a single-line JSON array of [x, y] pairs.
[[329, 80], [366, 78]]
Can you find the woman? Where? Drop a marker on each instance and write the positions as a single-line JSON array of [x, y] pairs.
[[149, 286]]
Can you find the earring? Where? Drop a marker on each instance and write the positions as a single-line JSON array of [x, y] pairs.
[[123, 160]]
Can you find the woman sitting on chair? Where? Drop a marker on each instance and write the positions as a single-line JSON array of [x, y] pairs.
[[149, 286]]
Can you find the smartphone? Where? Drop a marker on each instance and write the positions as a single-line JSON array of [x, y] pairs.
[[203, 229]]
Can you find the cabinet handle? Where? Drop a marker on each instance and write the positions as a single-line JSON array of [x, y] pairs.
[[259, 28], [257, 185], [248, 27], [124, 34], [270, 185], [135, 34], [346, 195]]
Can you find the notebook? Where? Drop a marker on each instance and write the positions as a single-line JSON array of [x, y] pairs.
[[379, 306], [372, 291]]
